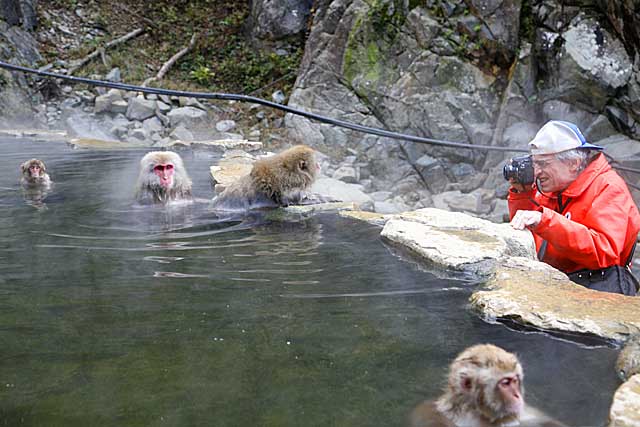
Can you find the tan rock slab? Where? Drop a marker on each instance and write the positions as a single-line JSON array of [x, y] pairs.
[[233, 165], [220, 145], [456, 241], [625, 410], [101, 144], [37, 134], [370, 217], [535, 294]]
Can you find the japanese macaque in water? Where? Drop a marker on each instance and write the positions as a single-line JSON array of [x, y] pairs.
[[278, 180], [34, 174], [484, 390], [162, 178], [628, 362]]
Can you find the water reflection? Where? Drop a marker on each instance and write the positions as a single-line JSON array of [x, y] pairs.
[[113, 315]]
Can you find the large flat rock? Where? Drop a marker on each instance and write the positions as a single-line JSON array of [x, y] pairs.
[[456, 241], [535, 294]]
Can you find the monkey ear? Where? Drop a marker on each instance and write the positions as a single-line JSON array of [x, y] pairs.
[[23, 167], [466, 384], [303, 164]]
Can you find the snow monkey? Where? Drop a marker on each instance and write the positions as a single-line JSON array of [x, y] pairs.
[[484, 390], [162, 178], [628, 363], [34, 174], [277, 180]]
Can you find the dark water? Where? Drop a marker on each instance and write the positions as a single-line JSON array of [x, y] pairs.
[[116, 316]]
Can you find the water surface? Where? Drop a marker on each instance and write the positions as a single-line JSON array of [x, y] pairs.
[[112, 315]]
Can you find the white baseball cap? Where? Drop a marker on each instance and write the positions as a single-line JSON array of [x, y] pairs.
[[557, 136]]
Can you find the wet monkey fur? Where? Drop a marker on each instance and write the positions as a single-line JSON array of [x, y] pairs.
[[34, 174], [277, 180], [484, 389], [163, 178]]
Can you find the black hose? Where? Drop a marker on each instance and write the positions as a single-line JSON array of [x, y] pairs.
[[254, 100]]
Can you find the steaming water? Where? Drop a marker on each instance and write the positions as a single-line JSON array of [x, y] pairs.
[[117, 316]]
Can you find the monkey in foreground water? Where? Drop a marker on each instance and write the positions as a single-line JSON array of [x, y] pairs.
[[277, 180], [628, 363], [163, 178], [484, 390], [34, 174]]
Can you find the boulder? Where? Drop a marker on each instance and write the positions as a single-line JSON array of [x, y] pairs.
[[537, 295], [625, 409], [187, 116], [140, 109], [457, 242]]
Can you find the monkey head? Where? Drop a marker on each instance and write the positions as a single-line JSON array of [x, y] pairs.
[[301, 160], [33, 170], [159, 168], [162, 178], [486, 380]]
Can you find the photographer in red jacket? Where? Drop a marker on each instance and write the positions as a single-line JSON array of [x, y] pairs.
[[579, 209]]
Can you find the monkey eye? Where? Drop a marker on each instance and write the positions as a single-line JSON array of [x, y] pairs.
[[507, 381], [163, 167]]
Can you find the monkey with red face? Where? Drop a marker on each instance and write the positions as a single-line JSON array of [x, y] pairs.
[[484, 390], [34, 174], [277, 180], [163, 178]]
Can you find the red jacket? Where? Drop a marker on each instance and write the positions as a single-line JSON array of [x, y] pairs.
[[598, 226]]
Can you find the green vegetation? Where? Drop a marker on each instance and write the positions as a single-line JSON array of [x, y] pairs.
[[527, 22], [222, 59]]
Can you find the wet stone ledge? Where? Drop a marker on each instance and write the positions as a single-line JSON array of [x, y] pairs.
[[515, 286], [625, 410]]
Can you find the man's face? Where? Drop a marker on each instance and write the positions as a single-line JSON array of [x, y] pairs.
[[553, 174]]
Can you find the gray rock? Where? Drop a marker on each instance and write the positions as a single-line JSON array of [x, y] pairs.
[[271, 20], [181, 133], [140, 109], [190, 102], [342, 191], [163, 108], [187, 116], [347, 173], [278, 97], [381, 196], [139, 134], [152, 124], [225, 125], [119, 107], [113, 75], [104, 103], [458, 242]]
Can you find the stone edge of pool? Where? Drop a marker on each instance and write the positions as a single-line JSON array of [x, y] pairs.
[[516, 286]]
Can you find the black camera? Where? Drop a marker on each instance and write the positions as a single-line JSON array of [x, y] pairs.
[[520, 169]]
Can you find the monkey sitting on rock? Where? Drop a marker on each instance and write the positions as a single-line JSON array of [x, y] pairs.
[[275, 181], [162, 179], [484, 390]]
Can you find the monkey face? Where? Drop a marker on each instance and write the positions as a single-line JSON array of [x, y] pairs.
[[35, 170], [165, 172], [509, 390]]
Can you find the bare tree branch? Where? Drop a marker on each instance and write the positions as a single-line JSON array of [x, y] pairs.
[[81, 62], [171, 62]]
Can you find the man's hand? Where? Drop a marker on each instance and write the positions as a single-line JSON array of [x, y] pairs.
[[526, 219]]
